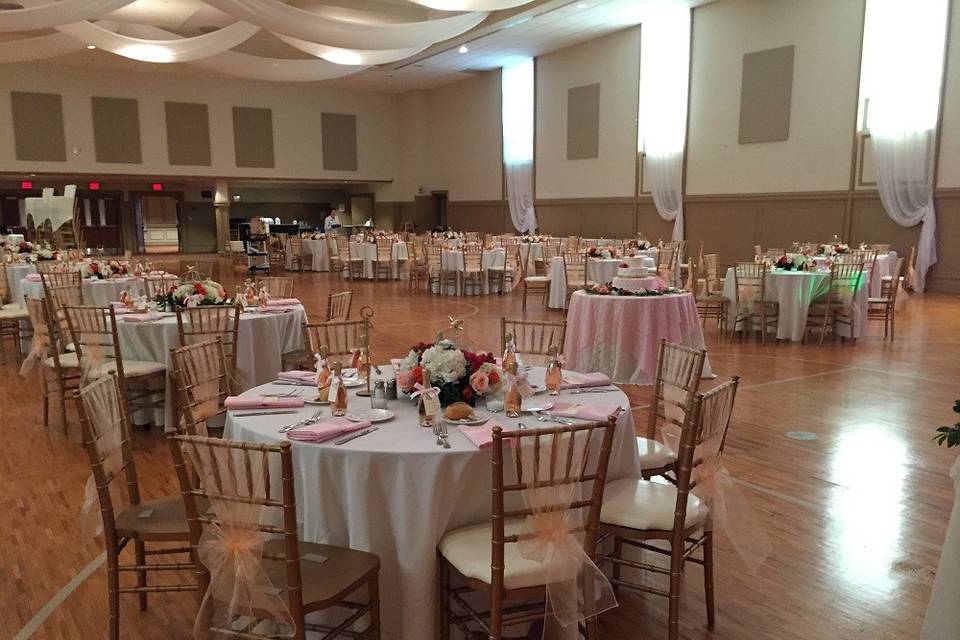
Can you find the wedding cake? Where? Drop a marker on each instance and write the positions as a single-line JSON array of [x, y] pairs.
[[632, 272]]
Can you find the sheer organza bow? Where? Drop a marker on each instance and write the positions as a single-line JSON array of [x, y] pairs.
[[104, 414], [576, 589]]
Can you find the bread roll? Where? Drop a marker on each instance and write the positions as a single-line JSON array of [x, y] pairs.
[[458, 411]]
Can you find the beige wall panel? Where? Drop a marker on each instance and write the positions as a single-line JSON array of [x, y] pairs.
[[37, 125], [723, 226], [780, 223], [488, 217], [297, 134], [945, 275], [253, 137], [949, 175], [613, 63], [817, 155], [116, 130], [651, 224], [765, 90], [587, 218], [188, 133], [463, 127], [339, 132], [869, 222], [583, 122]]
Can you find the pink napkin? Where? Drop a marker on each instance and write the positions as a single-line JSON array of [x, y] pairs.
[[297, 376], [34, 277], [140, 317], [262, 402], [326, 430], [573, 380], [276, 309], [595, 412], [283, 302], [480, 435]]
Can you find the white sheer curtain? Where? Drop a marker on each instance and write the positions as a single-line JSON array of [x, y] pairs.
[[902, 70], [517, 116], [664, 72]]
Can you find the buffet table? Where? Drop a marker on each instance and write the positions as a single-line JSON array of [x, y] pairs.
[[620, 335], [394, 492]]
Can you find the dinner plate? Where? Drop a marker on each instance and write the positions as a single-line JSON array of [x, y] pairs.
[[373, 415], [470, 422], [350, 383], [319, 403], [535, 404]]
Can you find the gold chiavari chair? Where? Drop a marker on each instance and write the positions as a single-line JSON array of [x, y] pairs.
[[533, 337], [865, 257], [486, 556], [384, 259], [294, 253], [534, 283], [472, 236], [277, 247], [94, 334], [349, 259], [48, 266], [670, 519], [441, 274], [338, 306], [198, 324], [575, 271], [106, 436], [303, 577], [276, 286], [839, 305], [757, 250], [59, 370], [473, 271], [61, 278], [6, 301], [340, 338], [711, 303], [909, 269], [203, 383], [156, 285], [57, 298], [750, 280], [675, 383], [499, 274], [884, 307], [666, 264], [573, 244], [196, 269], [11, 316], [417, 269], [880, 248]]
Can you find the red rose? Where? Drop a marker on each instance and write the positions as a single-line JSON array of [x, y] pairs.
[[494, 377], [467, 393]]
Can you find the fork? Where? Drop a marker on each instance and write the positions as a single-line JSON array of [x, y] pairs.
[[436, 432], [302, 423], [444, 435]]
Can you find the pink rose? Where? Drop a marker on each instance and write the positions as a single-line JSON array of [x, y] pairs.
[[480, 382]]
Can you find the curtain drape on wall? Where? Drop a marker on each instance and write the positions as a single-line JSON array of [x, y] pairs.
[[664, 73], [517, 117]]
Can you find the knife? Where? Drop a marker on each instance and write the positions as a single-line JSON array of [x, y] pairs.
[[291, 383], [353, 436], [264, 413]]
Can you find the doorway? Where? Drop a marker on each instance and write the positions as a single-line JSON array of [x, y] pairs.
[[157, 221], [362, 209], [440, 205]]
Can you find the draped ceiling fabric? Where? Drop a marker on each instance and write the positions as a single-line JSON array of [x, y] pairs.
[[664, 72], [516, 112], [345, 40]]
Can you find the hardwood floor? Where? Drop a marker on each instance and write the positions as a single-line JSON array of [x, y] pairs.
[[856, 516]]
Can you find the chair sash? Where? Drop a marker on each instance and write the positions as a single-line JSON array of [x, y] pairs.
[[103, 411]]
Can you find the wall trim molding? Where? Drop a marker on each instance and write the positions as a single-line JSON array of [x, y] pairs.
[[768, 196], [580, 201]]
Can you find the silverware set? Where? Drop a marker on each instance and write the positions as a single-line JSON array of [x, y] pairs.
[[313, 419], [293, 392], [551, 417], [354, 436], [440, 431], [593, 390]]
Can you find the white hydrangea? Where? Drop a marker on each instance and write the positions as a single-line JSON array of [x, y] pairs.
[[446, 365]]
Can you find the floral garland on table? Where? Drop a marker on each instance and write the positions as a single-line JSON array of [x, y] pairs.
[[26, 247], [192, 294], [532, 239], [800, 262], [641, 244], [610, 290], [460, 375], [607, 253], [43, 254], [313, 236], [837, 248], [448, 235], [106, 270]]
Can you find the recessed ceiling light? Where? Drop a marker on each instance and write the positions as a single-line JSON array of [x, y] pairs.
[[582, 5], [90, 46], [463, 48]]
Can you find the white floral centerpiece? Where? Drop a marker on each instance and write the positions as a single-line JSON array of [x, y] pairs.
[[193, 294], [608, 252], [316, 235], [460, 375]]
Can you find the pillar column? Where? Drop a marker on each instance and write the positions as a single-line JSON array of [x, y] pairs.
[[221, 209]]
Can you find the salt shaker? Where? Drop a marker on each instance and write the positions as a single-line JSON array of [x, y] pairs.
[[390, 387], [379, 398]]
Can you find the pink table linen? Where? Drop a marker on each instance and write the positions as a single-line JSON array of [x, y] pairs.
[[480, 435], [619, 335], [595, 412], [34, 277], [262, 402], [326, 430], [139, 317], [573, 380], [283, 302], [297, 376]]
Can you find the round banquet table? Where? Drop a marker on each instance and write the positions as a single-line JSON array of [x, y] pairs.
[[15, 276], [601, 270], [368, 251], [95, 292], [261, 341], [620, 335], [395, 493], [794, 291], [453, 261], [315, 255]]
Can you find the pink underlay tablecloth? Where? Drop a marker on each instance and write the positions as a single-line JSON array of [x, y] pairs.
[[619, 335]]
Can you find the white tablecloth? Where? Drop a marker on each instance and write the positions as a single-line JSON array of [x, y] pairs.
[[15, 275], [395, 493], [942, 621], [95, 292], [315, 256], [601, 270], [886, 263], [794, 291], [453, 261], [368, 251], [620, 335], [262, 339]]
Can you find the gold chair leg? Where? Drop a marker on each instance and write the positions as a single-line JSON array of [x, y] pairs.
[[373, 592], [708, 577], [141, 556]]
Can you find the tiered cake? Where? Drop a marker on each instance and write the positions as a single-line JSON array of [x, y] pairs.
[[631, 274]]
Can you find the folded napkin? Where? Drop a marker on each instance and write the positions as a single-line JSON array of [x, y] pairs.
[[297, 376], [140, 317], [34, 277], [276, 309], [595, 412], [283, 302], [326, 430], [262, 402], [480, 435], [573, 380]]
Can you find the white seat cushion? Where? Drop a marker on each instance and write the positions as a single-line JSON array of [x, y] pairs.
[[646, 505], [537, 278], [67, 361], [16, 313], [654, 455], [11, 305], [468, 549], [131, 368]]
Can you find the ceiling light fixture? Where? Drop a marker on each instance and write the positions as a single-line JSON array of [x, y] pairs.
[[582, 5], [463, 48], [90, 46]]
